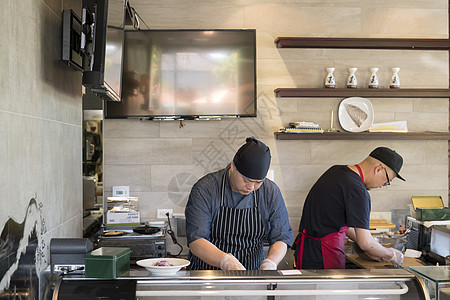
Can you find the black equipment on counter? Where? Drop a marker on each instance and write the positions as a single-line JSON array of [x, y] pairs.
[[428, 240], [94, 289], [67, 254], [419, 236], [142, 245], [146, 229]]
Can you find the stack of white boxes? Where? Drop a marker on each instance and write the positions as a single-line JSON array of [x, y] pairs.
[[123, 210]]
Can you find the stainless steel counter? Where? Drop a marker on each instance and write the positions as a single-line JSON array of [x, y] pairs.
[[313, 284]]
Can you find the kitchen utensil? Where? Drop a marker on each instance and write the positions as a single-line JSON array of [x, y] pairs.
[[146, 229]]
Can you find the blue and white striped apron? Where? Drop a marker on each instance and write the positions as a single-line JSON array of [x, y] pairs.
[[237, 231]]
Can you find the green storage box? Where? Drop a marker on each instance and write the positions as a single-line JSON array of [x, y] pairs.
[[107, 262], [433, 213]]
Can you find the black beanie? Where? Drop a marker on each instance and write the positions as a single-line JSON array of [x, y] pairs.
[[253, 159]]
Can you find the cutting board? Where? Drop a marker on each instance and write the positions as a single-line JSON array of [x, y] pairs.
[[369, 264]]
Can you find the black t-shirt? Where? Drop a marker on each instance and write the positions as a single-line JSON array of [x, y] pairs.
[[337, 199]]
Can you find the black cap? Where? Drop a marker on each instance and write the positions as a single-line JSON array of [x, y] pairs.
[[253, 159], [390, 158]]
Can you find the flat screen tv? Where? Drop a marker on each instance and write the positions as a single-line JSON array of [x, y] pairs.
[[102, 75], [187, 74]]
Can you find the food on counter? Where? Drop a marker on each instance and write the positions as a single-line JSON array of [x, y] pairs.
[[113, 233], [163, 263]]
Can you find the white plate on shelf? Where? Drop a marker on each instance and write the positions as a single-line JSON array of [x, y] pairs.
[[356, 114], [173, 265]]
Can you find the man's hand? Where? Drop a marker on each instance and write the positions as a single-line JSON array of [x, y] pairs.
[[375, 258], [276, 253], [229, 262], [374, 249], [397, 257], [267, 264]]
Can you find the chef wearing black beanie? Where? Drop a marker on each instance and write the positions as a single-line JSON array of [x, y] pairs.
[[231, 212], [253, 159]]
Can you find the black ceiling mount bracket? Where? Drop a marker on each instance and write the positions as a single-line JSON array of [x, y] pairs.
[[72, 52]]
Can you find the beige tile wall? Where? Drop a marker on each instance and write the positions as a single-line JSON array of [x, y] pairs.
[[161, 161], [40, 134]]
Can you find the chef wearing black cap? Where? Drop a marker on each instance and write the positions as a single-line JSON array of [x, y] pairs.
[[232, 211], [337, 205]]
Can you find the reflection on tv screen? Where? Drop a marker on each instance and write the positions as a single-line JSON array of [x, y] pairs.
[[187, 73]]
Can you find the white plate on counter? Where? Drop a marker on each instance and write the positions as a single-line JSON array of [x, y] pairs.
[[356, 114], [163, 266]]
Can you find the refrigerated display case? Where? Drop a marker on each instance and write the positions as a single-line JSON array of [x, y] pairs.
[[282, 284], [436, 278]]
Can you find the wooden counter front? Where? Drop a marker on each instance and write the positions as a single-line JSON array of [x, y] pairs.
[[366, 264]]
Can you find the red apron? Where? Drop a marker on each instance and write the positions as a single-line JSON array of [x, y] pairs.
[[332, 249], [332, 244]]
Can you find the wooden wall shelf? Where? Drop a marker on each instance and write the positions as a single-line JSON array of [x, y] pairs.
[[366, 92], [363, 43], [428, 135]]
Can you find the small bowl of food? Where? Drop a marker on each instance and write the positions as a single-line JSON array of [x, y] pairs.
[[163, 266]]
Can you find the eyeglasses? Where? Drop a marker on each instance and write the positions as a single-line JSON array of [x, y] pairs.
[[388, 182]]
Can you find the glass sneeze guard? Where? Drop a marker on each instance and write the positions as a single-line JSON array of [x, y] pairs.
[[436, 278]]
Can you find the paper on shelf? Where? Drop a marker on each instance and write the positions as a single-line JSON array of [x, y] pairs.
[[398, 126]]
